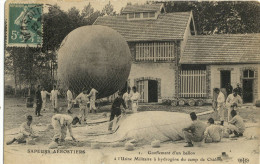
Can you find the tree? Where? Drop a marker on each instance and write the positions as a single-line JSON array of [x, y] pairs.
[[216, 17], [108, 9], [87, 11]]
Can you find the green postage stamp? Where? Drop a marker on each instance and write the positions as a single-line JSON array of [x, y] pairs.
[[25, 25]]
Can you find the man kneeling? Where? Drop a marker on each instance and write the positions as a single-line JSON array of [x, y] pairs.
[[25, 132], [60, 123], [237, 125], [195, 131], [213, 133]]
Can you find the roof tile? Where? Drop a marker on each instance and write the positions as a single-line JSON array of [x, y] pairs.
[[170, 26], [222, 48]]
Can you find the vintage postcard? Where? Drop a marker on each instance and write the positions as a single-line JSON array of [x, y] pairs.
[[131, 81]]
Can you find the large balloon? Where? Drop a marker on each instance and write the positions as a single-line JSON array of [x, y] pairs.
[[94, 57]]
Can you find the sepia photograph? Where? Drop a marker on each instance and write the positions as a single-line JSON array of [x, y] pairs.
[[131, 81]]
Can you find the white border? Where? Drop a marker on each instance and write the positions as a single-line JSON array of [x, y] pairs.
[[1, 78]]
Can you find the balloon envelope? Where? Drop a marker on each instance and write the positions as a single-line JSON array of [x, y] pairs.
[[94, 57]]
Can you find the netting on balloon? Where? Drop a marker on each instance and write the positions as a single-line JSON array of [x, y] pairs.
[[105, 87]]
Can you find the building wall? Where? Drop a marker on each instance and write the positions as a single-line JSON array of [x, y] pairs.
[[186, 35], [236, 76], [164, 72]]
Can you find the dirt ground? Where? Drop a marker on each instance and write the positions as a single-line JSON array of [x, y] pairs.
[[15, 112]]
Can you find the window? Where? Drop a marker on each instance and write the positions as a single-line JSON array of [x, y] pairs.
[[151, 15], [145, 15], [131, 16], [248, 74], [156, 51], [193, 83], [137, 15]]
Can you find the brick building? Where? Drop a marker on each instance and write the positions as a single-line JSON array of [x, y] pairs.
[[171, 61]]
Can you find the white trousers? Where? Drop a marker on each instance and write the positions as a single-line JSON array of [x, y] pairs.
[[135, 107], [59, 131], [44, 103], [93, 104], [54, 103]]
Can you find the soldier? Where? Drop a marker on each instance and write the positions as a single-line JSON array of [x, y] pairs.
[[237, 125], [116, 110], [54, 98], [83, 100], [135, 99], [70, 100], [233, 101], [127, 97], [38, 101], [213, 133], [24, 133], [44, 94], [93, 95], [60, 123], [220, 105], [195, 132]]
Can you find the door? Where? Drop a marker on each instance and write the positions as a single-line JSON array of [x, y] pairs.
[[248, 90], [142, 88], [152, 91], [225, 78]]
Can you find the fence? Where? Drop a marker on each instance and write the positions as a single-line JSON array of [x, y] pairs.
[[155, 51], [193, 83]]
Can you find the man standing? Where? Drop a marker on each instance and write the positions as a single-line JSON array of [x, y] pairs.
[[238, 90], [38, 101], [44, 94], [54, 99], [229, 89], [24, 133], [220, 105], [116, 110], [92, 95], [83, 100], [213, 133], [127, 97], [233, 101], [195, 132], [70, 100], [61, 123], [135, 98]]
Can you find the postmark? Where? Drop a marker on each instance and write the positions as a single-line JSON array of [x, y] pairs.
[[25, 25]]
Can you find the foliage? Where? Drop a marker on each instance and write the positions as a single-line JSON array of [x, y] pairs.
[[108, 9], [219, 17]]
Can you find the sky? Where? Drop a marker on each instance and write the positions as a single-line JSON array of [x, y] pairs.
[[97, 4]]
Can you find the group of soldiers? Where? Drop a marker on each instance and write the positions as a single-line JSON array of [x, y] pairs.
[[199, 131], [63, 122]]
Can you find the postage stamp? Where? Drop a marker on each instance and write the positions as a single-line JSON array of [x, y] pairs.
[[25, 25]]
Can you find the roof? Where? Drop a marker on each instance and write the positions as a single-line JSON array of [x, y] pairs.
[[142, 8], [222, 48], [170, 26]]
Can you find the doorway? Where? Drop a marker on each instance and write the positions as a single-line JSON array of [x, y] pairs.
[[248, 90], [225, 78], [152, 91]]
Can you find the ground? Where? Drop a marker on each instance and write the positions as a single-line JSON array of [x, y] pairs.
[[15, 113]]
